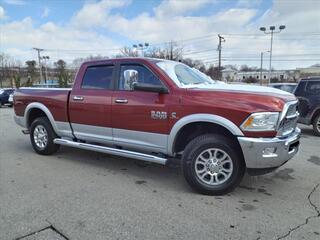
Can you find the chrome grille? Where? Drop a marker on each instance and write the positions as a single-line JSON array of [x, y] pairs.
[[288, 119]]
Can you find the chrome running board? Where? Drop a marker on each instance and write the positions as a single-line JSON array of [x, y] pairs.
[[112, 151]]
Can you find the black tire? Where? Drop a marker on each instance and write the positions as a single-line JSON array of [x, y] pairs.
[[316, 125], [49, 148], [198, 146]]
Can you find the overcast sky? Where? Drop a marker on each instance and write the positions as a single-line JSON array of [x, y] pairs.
[[74, 28]]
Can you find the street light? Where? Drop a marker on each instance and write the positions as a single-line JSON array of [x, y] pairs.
[[141, 47], [271, 32]]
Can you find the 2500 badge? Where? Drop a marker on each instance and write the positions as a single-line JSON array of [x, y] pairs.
[[158, 115]]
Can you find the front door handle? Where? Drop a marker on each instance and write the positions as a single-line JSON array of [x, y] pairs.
[[122, 100], [78, 98]]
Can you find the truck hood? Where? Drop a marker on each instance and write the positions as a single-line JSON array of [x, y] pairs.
[[260, 90], [240, 97]]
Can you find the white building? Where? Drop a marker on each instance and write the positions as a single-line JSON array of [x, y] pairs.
[[279, 74], [315, 70], [230, 75]]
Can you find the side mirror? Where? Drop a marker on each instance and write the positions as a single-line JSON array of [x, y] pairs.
[[149, 88], [131, 76]]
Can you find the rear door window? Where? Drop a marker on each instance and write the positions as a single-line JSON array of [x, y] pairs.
[[98, 77]]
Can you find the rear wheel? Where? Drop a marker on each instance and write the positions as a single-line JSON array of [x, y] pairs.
[[42, 136], [316, 125], [212, 165]]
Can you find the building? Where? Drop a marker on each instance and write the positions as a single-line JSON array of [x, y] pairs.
[[309, 71], [281, 75], [231, 75]]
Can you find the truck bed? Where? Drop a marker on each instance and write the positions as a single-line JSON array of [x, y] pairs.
[[55, 99]]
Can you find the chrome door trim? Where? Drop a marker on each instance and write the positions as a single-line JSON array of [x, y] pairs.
[[92, 133], [139, 140]]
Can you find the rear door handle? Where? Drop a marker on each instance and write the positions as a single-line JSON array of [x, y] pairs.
[[121, 100], [78, 98]]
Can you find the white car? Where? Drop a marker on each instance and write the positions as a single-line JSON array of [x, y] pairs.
[[10, 100]]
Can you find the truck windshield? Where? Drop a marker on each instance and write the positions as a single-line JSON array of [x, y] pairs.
[[184, 76]]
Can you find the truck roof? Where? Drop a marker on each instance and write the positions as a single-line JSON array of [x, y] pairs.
[[125, 59]]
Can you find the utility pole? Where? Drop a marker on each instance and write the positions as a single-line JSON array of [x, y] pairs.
[[2, 70], [221, 40], [39, 60], [271, 32], [171, 50]]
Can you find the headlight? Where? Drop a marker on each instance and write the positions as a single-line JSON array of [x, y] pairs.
[[263, 121]]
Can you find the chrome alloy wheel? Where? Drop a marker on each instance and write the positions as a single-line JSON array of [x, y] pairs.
[[40, 136], [213, 166], [318, 124]]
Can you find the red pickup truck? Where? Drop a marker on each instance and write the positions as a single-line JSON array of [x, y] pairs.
[[157, 110]]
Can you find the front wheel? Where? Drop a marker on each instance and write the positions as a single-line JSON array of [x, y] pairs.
[[212, 164], [316, 125], [42, 136]]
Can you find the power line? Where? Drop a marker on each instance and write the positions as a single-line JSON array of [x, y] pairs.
[[80, 50], [275, 60]]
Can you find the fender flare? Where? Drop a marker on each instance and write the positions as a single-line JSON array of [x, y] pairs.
[[210, 118], [42, 107]]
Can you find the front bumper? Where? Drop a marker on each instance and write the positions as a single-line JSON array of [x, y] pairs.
[[262, 153]]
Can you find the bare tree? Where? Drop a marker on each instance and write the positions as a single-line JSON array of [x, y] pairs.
[[63, 74], [213, 72], [169, 50], [127, 52], [246, 68], [10, 69], [31, 69], [76, 63]]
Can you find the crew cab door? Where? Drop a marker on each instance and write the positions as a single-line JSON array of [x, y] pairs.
[[90, 104], [139, 118]]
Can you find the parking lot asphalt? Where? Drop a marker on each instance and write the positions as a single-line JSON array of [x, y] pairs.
[[78, 194]]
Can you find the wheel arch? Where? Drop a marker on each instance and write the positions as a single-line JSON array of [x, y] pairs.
[[36, 109], [215, 122], [315, 114]]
